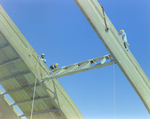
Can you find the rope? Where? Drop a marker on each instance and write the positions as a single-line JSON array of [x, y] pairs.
[[114, 91], [103, 53], [34, 88]]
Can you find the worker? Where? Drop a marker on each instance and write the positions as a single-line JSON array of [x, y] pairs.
[[124, 38], [42, 58], [53, 66]]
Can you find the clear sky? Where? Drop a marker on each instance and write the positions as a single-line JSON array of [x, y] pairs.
[[59, 29]]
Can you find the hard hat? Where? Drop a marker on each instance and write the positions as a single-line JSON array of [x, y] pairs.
[[56, 64], [122, 30], [43, 54]]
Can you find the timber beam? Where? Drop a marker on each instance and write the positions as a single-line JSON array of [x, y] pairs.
[[10, 61], [40, 112], [19, 89], [97, 18], [25, 101], [15, 75]]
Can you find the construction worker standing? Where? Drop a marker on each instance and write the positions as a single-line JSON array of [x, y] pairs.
[[53, 66], [42, 58], [124, 38]]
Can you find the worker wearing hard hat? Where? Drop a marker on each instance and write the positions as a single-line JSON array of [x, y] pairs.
[[124, 37], [53, 66], [42, 58]]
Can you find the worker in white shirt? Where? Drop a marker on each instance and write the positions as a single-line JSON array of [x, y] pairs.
[[124, 38], [42, 58]]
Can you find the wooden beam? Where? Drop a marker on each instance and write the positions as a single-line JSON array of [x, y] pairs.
[[15, 75], [115, 45], [25, 101], [18, 89], [40, 112], [10, 61]]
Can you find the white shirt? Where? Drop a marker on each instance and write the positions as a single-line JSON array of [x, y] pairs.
[[124, 37], [44, 60]]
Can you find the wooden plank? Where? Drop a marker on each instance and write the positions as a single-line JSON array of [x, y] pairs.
[[114, 44]]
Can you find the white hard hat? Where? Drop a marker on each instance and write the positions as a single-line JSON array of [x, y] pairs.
[[43, 54]]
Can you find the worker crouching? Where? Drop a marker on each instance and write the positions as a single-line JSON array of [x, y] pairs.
[[52, 67]]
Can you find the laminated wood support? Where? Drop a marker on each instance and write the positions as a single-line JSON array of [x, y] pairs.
[[25, 101], [40, 112], [13, 76], [115, 45], [10, 61], [19, 89]]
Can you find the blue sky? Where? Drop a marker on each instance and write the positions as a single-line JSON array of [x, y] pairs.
[[59, 29]]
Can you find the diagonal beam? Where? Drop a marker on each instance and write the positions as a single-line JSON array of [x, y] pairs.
[[15, 75], [25, 101], [40, 112], [10, 61], [18, 89], [81, 67], [115, 45]]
